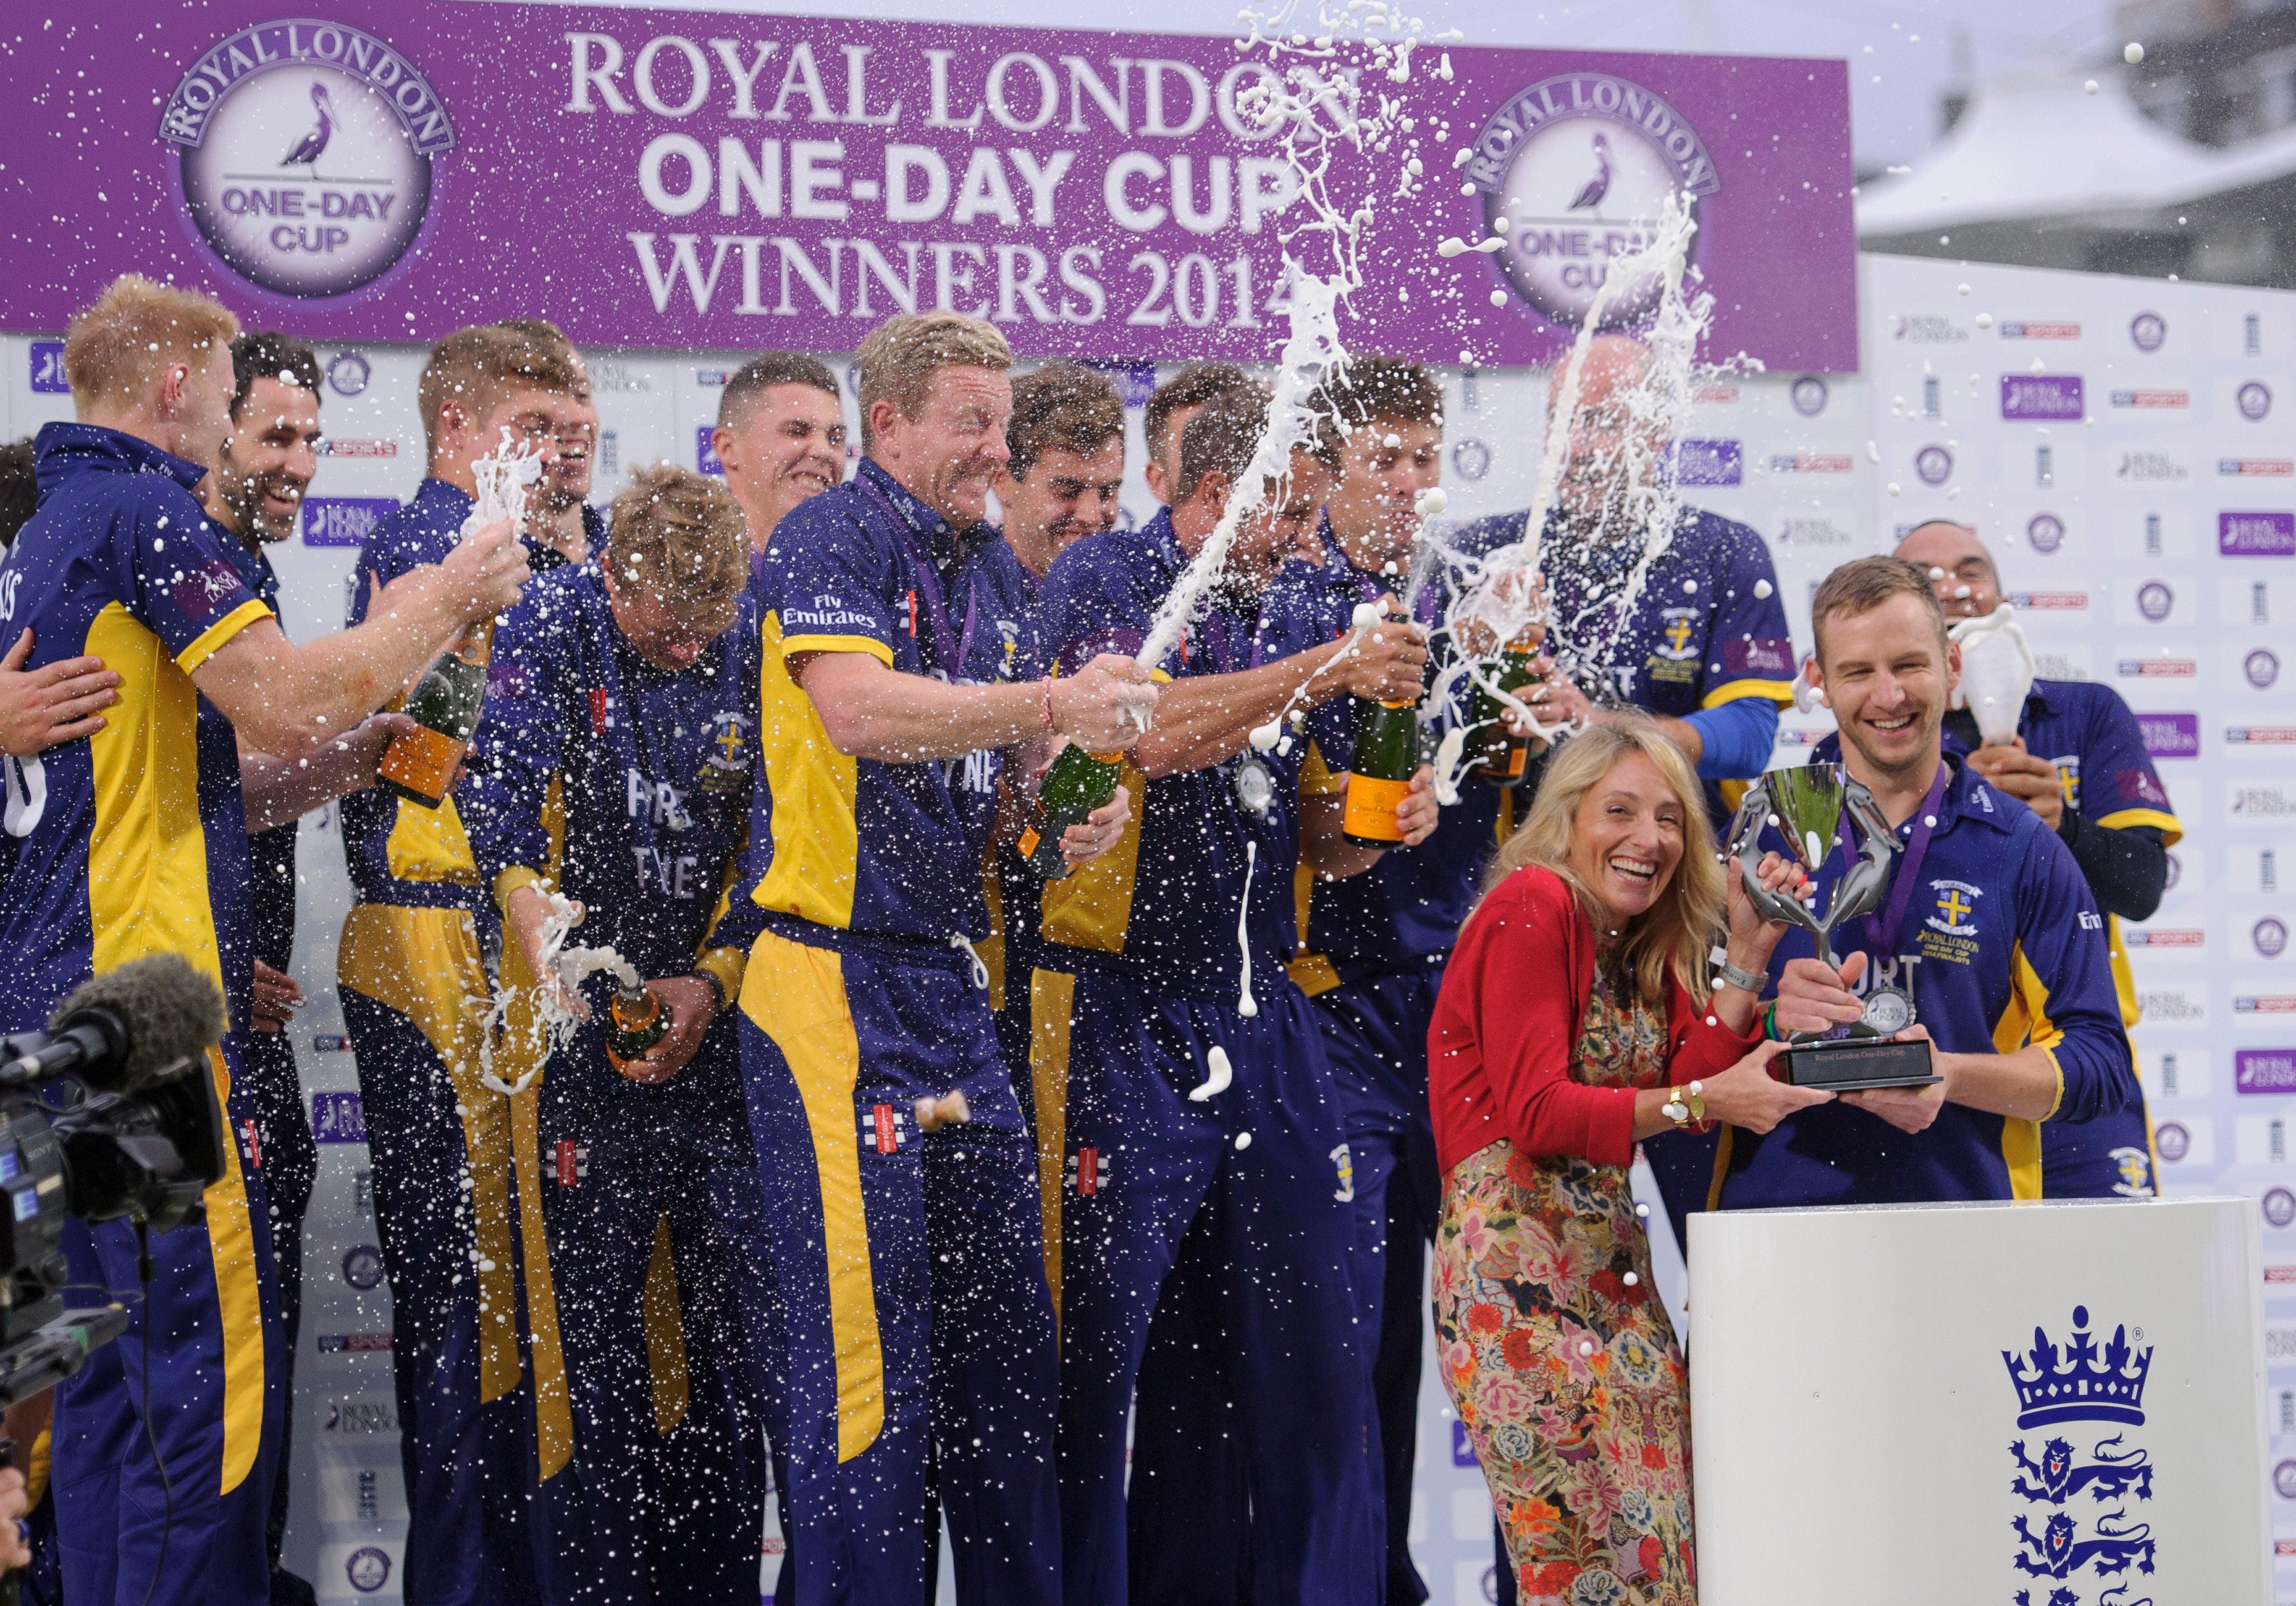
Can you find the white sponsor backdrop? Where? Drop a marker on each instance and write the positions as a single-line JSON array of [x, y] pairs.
[[1807, 461]]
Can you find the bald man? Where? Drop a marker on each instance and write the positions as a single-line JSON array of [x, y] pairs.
[[1706, 647], [2079, 762]]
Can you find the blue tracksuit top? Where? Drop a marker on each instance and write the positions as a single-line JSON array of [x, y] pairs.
[[2001, 946]]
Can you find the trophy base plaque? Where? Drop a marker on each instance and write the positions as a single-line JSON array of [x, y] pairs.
[[1849, 1064]]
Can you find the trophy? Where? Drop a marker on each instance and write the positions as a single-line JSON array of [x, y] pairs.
[[1806, 804]]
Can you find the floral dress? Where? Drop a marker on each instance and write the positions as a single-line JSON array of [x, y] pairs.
[[1559, 1359]]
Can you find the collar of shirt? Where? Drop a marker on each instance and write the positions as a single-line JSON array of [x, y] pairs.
[[947, 545], [1966, 796], [67, 449], [435, 497]]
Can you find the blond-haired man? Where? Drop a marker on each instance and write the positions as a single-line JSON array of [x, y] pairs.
[[414, 990], [134, 841], [919, 1325], [626, 697]]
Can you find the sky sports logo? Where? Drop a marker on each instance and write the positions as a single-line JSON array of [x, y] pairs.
[[2151, 399], [2256, 468], [2050, 601], [2157, 668], [2040, 329]]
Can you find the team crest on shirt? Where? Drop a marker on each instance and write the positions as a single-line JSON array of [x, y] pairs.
[[1008, 631], [726, 765], [2069, 778], [1673, 656], [2134, 1168], [1343, 1165], [1949, 928]]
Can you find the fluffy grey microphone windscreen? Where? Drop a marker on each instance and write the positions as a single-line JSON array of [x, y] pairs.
[[169, 1009]]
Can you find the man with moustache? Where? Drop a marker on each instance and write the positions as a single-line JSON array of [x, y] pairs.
[[1988, 927], [780, 437], [1223, 1218], [2079, 762], [262, 470], [1061, 485], [899, 1180]]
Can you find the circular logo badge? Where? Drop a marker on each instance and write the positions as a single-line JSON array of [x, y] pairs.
[[2172, 1140], [2154, 600], [1578, 165], [304, 155], [1888, 1010], [2045, 531], [1934, 464], [1472, 459], [368, 1569], [2147, 330], [2270, 936], [346, 374], [2255, 399], [2176, 873], [1807, 394], [363, 1267], [2262, 668], [2280, 1210], [853, 378]]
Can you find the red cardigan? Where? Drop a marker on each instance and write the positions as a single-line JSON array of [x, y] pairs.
[[1507, 1022]]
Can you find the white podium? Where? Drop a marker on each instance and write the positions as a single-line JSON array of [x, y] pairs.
[[1876, 1418]]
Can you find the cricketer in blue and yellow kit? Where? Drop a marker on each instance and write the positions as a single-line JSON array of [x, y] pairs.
[[1224, 1222], [1706, 642], [133, 843], [413, 983], [918, 1326], [622, 779], [2001, 948], [2118, 824], [1371, 955]]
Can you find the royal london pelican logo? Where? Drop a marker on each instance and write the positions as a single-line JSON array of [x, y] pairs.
[[304, 153], [2079, 1483]]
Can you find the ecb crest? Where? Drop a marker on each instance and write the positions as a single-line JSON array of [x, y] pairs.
[[2085, 1482]]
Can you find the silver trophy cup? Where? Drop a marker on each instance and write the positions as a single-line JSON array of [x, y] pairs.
[[1806, 804]]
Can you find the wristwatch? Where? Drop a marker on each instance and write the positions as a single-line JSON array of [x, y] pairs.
[[1685, 1107]]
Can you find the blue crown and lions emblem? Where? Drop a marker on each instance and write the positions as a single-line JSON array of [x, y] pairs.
[[2083, 1382]]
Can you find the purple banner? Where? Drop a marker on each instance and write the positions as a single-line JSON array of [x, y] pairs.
[[2170, 736], [2042, 396], [354, 171], [2256, 535], [1709, 463], [2263, 1070]]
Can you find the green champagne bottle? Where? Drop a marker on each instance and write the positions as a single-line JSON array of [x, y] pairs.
[[1502, 755], [1387, 755], [635, 1022], [446, 703], [1077, 784]]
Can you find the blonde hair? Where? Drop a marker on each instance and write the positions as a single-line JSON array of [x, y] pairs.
[[899, 356], [477, 368], [136, 327], [677, 535], [1670, 940]]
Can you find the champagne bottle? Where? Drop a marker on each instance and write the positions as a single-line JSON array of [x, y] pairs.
[[1386, 754], [1503, 756], [635, 1022], [1077, 784], [446, 703]]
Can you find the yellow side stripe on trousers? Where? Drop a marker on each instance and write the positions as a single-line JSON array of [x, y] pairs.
[[665, 1333], [424, 964], [795, 994], [1052, 1000]]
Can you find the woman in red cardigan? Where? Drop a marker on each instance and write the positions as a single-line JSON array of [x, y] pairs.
[[1576, 1020]]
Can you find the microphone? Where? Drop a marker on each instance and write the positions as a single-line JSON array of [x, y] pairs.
[[126, 1029]]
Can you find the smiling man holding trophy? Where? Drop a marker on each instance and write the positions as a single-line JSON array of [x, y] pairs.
[[1949, 976]]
